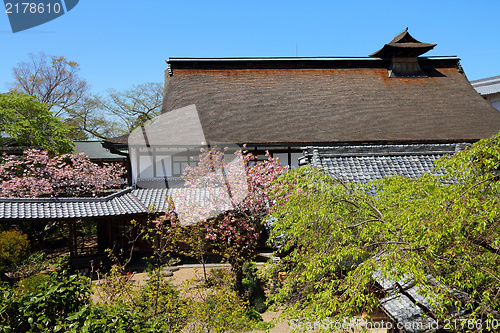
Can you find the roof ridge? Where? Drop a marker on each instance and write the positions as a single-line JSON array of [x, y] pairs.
[[137, 200], [477, 83], [69, 199], [312, 58]]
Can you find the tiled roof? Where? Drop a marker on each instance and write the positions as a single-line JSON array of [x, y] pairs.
[[366, 163], [126, 202], [487, 86], [404, 311], [95, 151], [405, 305], [121, 203], [153, 199]]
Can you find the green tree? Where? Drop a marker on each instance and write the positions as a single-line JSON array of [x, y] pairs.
[[441, 230], [25, 121]]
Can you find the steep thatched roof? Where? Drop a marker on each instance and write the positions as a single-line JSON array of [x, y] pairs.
[[328, 100]]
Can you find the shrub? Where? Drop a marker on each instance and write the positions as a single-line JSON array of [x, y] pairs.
[[219, 310], [59, 302], [218, 277], [157, 306], [48, 307], [254, 292], [160, 303], [32, 265], [14, 247], [31, 284]]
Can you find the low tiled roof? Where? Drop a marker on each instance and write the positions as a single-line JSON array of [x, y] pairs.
[[127, 202], [121, 203], [403, 311], [96, 152], [154, 199], [366, 163], [408, 308], [487, 86]]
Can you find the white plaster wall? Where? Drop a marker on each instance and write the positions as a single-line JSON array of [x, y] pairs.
[[494, 100]]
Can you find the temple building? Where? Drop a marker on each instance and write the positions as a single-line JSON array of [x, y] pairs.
[[393, 112], [395, 96]]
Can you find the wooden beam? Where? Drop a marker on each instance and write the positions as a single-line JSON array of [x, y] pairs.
[[73, 249]]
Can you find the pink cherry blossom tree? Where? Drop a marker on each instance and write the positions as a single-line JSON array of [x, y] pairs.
[[36, 174], [228, 199]]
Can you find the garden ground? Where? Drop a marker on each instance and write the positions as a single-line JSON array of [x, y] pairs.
[[187, 272]]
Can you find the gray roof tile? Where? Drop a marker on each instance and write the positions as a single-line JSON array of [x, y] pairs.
[[404, 304], [126, 202], [403, 311], [487, 86], [366, 163]]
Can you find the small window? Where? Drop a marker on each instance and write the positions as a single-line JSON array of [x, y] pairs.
[[179, 163]]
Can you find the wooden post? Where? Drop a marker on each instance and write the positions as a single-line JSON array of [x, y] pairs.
[[73, 249]]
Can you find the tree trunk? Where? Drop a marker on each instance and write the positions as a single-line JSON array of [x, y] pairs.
[[238, 278], [204, 264]]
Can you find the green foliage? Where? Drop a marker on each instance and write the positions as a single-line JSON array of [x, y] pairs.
[[157, 305], [218, 309], [24, 121], [263, 326], [31, 284], [254, 292], [33, 264], [14, 247], [443, 225], [45, 306], [59, 302], [217, 277]]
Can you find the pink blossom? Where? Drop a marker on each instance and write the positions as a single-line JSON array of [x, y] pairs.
[[36, 174]]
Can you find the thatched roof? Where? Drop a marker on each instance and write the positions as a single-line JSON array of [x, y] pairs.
[[328, 100]]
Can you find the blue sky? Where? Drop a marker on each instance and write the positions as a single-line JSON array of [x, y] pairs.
[[119, 43]]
